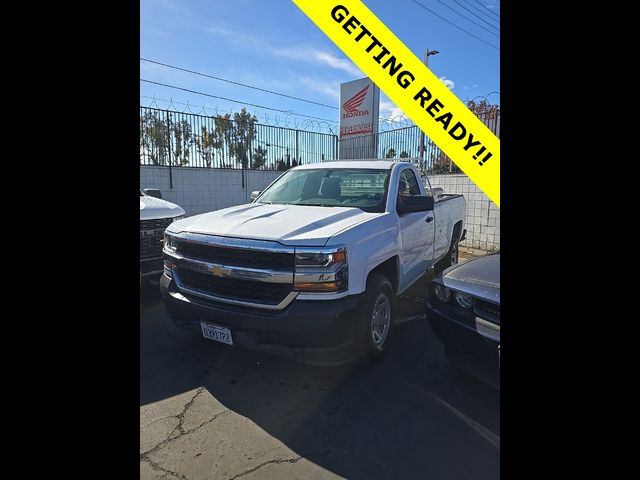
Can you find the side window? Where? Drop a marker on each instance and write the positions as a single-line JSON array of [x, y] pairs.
[[408, 184]]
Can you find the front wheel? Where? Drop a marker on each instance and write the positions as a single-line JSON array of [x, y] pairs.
[[374, 324]]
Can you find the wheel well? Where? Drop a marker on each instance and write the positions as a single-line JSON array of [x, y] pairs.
[[388, 268], [457, 232]]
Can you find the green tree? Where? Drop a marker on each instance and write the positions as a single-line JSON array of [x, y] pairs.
[[259, 157], [239, 136], [206, 144], [181, 142], [404, 154], [391, 153], [485, 111], [154, 138], [281, 165]]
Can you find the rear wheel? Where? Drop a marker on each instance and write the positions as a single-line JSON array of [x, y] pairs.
[[374, 324], [450, 259]]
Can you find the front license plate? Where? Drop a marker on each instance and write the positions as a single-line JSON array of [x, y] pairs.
[[216, 332]]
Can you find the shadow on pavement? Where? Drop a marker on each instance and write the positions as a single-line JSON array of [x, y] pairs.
[[410, 416]]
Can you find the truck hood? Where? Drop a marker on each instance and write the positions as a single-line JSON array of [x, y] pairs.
[[152, 208], [287, 224], [479, 277]]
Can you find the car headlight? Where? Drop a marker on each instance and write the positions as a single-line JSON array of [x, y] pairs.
[[170, 242], [175, 219], [442, 293], [465, 301], [321, 269]]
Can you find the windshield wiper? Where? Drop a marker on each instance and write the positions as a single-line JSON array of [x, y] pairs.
[[315, 205]]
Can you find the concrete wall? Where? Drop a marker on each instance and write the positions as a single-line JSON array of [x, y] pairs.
[[483, 216], [200, 190]]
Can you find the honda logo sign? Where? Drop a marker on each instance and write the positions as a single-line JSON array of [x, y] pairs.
[[359, 111]]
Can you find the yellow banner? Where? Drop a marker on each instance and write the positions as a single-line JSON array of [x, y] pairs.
[[411, 86]]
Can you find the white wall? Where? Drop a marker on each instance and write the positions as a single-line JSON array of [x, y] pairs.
[[200, 190], [483, 216]]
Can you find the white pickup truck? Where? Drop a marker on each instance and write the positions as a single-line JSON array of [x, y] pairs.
[[313, 267], [155, 215]]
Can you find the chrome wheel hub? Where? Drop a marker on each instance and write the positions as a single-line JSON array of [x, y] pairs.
[[380, 320]]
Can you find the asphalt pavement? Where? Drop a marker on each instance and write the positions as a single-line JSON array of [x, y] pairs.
[[212, 411]]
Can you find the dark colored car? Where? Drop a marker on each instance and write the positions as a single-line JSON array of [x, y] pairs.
[[463, 307]]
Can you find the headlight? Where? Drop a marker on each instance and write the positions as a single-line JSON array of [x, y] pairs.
[[170, 242], [319, 258], [465, 301], [175, 219], [442, 293], [321, 270]]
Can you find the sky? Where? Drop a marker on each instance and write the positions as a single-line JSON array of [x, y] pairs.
[[272, 45]]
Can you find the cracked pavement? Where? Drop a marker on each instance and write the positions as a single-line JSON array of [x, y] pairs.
[[210, 411]]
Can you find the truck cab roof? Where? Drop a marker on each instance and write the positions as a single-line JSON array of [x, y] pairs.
[[367, 164]]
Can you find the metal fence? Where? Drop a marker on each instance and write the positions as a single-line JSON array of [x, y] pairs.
[[409, 142], [171, 138]]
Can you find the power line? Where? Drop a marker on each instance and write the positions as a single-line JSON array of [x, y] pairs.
[[287, 112], [469, 20], [453, 24], [491, 11], [238, 83], [481, 11]]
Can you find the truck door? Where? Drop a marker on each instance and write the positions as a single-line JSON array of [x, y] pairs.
[[416, 233]]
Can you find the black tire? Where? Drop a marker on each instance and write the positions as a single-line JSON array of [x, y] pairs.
[[372, 344], [451, 258]]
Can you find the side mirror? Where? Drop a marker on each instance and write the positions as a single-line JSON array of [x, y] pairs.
[[438, 192], [255, 195], [153, 192], [415, 203]]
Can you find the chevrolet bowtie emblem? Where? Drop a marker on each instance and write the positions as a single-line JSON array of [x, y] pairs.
[[216, 270]]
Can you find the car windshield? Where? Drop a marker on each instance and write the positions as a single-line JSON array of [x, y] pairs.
[[361, 188]]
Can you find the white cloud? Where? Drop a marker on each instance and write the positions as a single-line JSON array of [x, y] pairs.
[[300, 53], [390, 110], [336, 62], [449, 83], [232, 35], [330, 89], [466, 87]]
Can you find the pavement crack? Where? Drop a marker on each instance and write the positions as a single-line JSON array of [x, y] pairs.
[[159, 468], [258, 467], [206, 422], [156, 421], [180, 427], [181, 415]]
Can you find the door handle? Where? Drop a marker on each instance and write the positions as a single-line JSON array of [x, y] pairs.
[[428, 219]]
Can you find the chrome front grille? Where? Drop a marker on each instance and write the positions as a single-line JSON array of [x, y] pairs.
[[242, 272], [151, 233]]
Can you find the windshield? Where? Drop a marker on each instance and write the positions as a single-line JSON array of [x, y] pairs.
[[323, 187]]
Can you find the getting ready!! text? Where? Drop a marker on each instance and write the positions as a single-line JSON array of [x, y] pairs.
[[385, 58]]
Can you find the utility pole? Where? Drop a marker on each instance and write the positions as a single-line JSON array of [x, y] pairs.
[[427, 54]]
